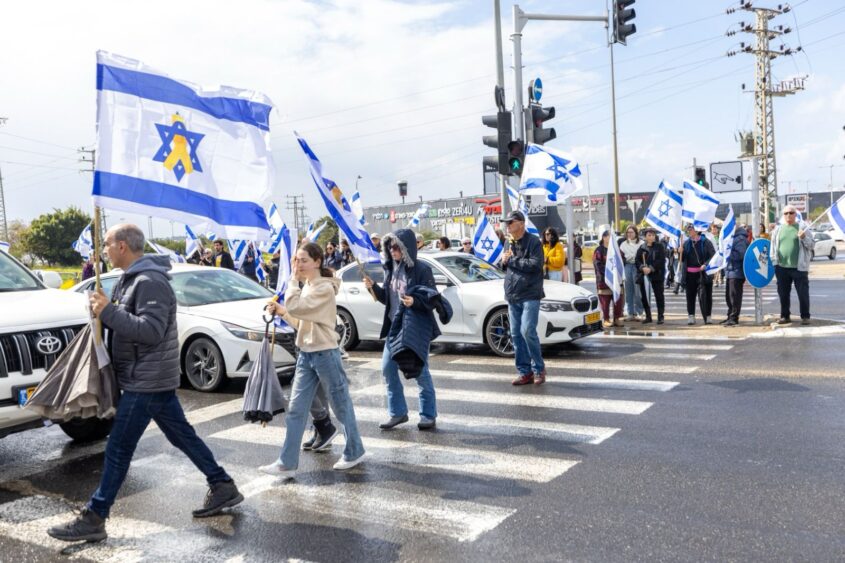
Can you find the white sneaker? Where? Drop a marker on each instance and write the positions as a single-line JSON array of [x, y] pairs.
[[277, 469], [343, 464]]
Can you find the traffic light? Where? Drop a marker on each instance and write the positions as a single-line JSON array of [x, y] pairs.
[[621, 16], [502, 123], [516, 157], [539, 115], [700, 176]]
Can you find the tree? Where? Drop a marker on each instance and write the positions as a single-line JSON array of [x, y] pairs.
[[174, 245], [18, 231], [329, 232], [51, 235]]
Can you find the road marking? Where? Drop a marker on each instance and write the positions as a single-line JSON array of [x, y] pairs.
[[657, 345], [584, 365], [674, 356], [204, 414], [663, 336], [528, 399], [588, 382]]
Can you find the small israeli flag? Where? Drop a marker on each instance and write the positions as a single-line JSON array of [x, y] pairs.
[[358, 208], [551, 173], [837, 216], [5, 246], [259, 271], [614, 270], [726, 244], [164, 251], [277, 226], [84, 245], [237, 248], [415, 220], [485, 242], [192, 244], [700, 205], [211, 236], [312, 233], [520, 204], [285, 248], [664, 213]]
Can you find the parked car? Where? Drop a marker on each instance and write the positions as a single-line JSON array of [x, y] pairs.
[[823, 245], [36, 324], [475, 289], [218, 317]]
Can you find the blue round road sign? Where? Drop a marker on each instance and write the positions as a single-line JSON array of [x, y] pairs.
[[759, 270], [537, 88]]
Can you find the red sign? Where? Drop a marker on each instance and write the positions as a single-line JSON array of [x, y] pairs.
[[489, 207], [392, 216]]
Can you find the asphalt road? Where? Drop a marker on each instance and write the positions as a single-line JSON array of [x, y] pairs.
[[635, 449]]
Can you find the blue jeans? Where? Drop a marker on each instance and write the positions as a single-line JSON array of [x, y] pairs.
[[526, 343], [312, 369], [134, 413], [396, 404], [633, 301]]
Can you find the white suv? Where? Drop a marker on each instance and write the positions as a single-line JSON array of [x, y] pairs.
[[36, 324]]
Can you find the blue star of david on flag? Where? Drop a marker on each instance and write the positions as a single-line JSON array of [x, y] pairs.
[[559, 168], [178, 151], [550, 173], [487, 244], [665, 208]]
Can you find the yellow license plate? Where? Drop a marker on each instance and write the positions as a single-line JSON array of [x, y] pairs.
[[592, 318], [25, 394]]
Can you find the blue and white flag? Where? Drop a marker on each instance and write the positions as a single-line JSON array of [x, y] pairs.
[[259, 270], [211, 236], [312, 233], [700, 205], [520, 204], [415, 220], [192, 243], [339, 210], [164, 251], [614, 269], [84, 245], [837, 216], [286, 248], [238, 248], [179, 151], [664, 213], [549, 172], [726, 244], [358, 208], [5, 246], [485, 241], [277, 225]]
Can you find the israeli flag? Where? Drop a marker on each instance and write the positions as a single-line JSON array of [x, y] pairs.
[[358, 208], [84, 245], [5, 246], [614, 269], [259, 271], [312, 233], [179, 151], [237, 248], [837, 216], [700, 205], [726, 244], [415, 220], [211, 236], [192, 243], [664, 213], [339, 210], [485, 242], [551, 173], [286, 246], [521, 205], [277, 225], [164, 251]]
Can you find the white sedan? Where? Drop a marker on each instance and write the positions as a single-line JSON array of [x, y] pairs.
[[823, 245], [219, 320], [476, 292]]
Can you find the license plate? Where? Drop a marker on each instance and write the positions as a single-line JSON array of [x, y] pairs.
[[25, 394], [592, 318]]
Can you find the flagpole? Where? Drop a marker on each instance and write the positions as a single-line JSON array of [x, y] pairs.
[[816, 220], [364, 275], [97, 257]]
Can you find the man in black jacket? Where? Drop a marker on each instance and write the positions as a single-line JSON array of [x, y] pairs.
[[144, 349], [523, 264], [651, 269], [402, 271], [222, 259], [697, 252]]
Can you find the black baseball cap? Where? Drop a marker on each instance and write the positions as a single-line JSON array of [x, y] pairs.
[[514, 216]]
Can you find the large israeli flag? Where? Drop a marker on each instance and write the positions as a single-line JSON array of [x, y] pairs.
[[420, 213], [700, 205], [614, 269], [358, 208], [664, 213], [339, 209], [551, 173], [172, 149], [726, 244], [837, 216], [520, 204], [84, 245], [485, 241]]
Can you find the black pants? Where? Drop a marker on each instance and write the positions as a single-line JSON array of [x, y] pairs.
[[786, 277], [733, 297], [657, 288], [701, 289]]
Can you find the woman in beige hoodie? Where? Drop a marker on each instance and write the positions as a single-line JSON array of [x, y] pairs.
[[312, 311]]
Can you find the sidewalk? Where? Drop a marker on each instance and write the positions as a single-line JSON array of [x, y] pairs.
[[676, 327]]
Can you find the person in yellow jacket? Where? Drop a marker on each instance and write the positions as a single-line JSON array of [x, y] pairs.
[[553, 255]]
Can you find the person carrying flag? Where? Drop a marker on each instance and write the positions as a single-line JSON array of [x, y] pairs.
[[605, 291], [790, 254], [651, 269], [697, 252]]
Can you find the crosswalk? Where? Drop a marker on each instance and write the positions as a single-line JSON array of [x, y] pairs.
[[489, 435]]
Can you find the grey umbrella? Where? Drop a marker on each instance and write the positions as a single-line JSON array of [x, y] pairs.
[[80, 383], [263, 396]]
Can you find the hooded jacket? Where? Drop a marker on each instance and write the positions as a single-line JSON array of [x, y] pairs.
[[524, 270], [141, 318], [733, 268], [312, 311]]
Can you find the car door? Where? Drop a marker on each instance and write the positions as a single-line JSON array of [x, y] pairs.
[[450, 290], [367, 312]]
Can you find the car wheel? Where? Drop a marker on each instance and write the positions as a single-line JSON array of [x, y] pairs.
[[832, 255], [497, 333], [204, 365], [87, 429], [347, 330]]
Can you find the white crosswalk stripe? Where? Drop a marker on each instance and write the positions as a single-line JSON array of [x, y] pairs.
[[586, 382], [587, 365]]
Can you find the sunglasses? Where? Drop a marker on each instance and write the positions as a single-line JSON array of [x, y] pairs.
[[789, 213], [467, 244], [396, 248]]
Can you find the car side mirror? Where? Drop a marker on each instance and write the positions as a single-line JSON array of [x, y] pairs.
[[440, 279]]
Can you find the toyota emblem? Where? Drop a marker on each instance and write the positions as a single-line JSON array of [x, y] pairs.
[[48, 345]]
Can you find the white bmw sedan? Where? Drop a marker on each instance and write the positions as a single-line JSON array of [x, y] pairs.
[[475, 289], [218, 317]]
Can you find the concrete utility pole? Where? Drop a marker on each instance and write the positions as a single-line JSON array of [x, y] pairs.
[[831, 167], [4, 225], [500, 83], [99, 213]]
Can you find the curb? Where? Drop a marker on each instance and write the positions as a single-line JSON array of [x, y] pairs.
[[800, 332]]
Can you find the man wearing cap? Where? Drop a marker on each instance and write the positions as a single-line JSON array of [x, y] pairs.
[[376, 240], [523, 264], [466, 246], [790, 254], [420, 241]]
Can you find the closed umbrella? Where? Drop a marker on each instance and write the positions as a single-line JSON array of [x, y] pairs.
[[80, 384], [263, 396]]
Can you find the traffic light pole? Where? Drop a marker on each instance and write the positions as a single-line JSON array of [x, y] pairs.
[[615, 149], [500, 82]]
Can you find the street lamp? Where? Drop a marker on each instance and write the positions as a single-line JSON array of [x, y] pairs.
[[589, 198]]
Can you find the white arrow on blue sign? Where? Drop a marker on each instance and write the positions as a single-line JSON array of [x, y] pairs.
[[759, 270], [537, 89]]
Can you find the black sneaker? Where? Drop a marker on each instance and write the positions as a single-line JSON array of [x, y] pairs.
[[805, 322], [309, 444], [88, 526], [220, 495], [783, 321], [326, 432]]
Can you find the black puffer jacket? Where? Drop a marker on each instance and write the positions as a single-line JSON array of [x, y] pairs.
[[654, 257], [141, 320], [524, 270]]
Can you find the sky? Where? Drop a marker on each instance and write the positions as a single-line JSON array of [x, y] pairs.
[[391, 90]]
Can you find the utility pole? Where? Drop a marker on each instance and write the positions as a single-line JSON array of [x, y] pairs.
[[4, 225], [764, 92], [831, 167], [295, 203], [615, 149], [500, 84], [99, 217]]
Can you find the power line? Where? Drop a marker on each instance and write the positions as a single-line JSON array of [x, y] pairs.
[[37, 141]]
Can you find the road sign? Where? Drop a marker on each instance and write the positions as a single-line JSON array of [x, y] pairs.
[[798, 201], [726, 176], [537, 89], [759, 270]]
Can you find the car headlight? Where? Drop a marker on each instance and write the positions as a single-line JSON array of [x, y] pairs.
[[554, 306], [244, 333]]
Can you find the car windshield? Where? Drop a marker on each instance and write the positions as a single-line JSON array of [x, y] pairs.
[[14, 277], [205, 287], [469, 269]]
